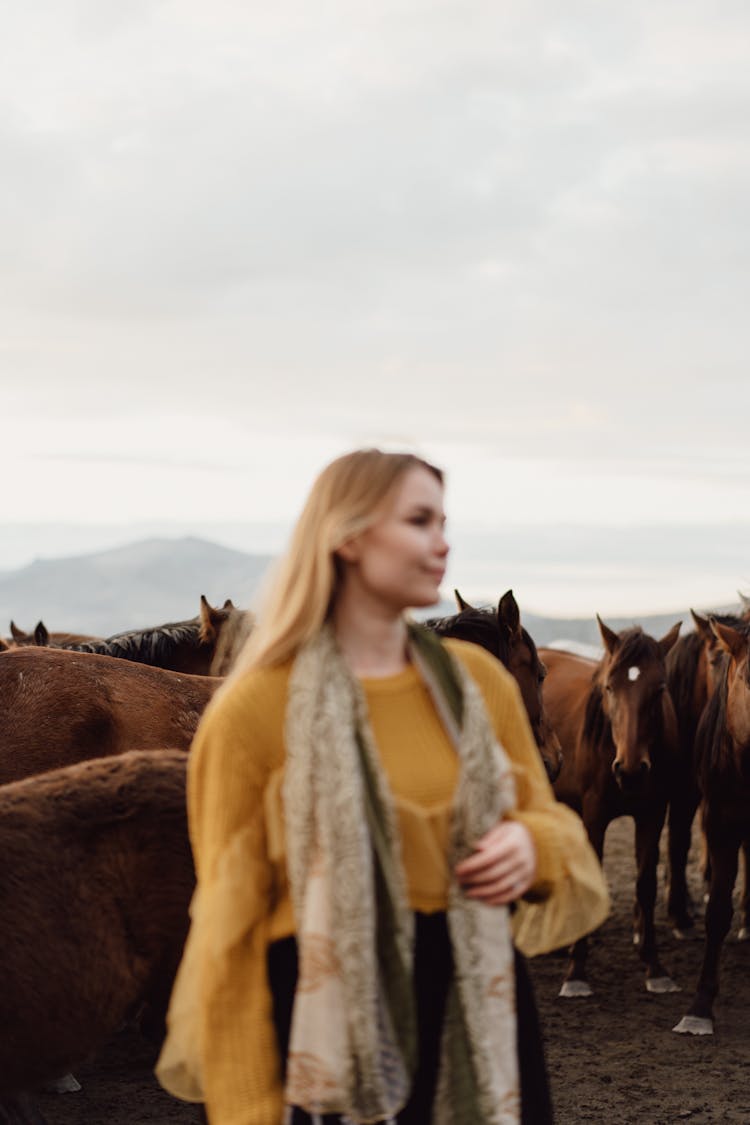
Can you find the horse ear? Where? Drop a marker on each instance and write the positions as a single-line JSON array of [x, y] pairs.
[[730, 639], [702, 625], [610, 638], [211, 620], [509, 613], [4, 646], [41, 636], [462, 605], [16, 633], [229, 604], [669, 639]]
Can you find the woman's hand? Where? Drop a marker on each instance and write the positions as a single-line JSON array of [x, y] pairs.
[[503, 865]]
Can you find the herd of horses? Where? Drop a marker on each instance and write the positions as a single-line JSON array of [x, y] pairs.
[[92, 804]]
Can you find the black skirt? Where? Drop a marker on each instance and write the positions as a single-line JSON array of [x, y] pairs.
[[433, 971]]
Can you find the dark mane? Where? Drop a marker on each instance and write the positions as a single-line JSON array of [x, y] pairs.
[[596, 725], [712, 745], [682, 667], [147, 646], [480, 627], [634, 645]]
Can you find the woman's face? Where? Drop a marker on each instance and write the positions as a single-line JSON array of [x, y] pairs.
[[400, 560]]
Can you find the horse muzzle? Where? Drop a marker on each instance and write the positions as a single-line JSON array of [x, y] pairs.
[[631, 781]]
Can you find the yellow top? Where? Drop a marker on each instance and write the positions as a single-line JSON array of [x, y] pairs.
[[221, 1045]]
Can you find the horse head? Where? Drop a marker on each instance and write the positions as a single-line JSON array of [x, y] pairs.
[[225, 629], [500, 632], [745, 606], [735, 642], [635, 700]]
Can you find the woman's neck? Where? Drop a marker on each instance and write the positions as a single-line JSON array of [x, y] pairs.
[[373, 644]]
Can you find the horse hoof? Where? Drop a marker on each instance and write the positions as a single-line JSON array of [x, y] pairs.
[[67, 1084], [576, 988], [685, 933], [694, 1025], [661, 984], [636, 939], [744, 934]]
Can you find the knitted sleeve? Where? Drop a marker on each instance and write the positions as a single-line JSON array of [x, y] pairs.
[[569, 896], [230, 763]]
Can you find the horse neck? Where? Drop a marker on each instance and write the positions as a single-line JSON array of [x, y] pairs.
[[738, 715], [597, 729]]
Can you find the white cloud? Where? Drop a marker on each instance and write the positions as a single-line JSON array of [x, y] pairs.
[[516, 234]]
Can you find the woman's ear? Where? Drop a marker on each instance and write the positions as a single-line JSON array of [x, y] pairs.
[[349, 551]]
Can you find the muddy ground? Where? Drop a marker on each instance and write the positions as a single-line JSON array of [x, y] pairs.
[[613, 1058]]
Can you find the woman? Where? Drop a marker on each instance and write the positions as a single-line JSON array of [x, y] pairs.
[[350, 801]]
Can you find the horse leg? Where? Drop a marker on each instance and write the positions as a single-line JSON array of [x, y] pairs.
[[723, 854], [682, 806], [576, 982], [647, 832], [20, 1109], [744, 932]]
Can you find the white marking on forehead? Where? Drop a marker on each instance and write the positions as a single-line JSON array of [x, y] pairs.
[[633, 674]]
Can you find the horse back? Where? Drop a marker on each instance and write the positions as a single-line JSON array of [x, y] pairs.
[[58, 707], [95, 885]]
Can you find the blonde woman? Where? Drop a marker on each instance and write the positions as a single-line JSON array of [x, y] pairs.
[[367, 808]]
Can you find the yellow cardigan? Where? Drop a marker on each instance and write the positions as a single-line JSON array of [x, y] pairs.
[[221, 1044]]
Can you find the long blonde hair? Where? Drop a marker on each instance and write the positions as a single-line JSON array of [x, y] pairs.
[[343, 502]]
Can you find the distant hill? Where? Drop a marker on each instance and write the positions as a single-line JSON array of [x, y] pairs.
[[155, 580], [149, 582]]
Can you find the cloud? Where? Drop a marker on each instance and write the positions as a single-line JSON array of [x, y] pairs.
[[519, 229]]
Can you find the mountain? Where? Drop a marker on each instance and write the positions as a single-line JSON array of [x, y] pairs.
[[149, 582], [155, 580]]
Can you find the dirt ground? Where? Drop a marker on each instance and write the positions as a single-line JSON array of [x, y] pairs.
[[613, 1057]]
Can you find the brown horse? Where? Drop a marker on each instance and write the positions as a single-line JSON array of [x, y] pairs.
[[95, 885], [694, 669], [618, 732], [42, 636], [722, 752], [194, 646], [59, 707], [501, 633]]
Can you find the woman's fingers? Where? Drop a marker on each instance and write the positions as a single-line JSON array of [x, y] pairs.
[[503, 866]]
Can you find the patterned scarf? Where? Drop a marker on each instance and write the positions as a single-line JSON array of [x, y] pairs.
[[353, 1047]]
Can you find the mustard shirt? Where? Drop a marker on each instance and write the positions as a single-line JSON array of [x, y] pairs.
[[221, 1044]]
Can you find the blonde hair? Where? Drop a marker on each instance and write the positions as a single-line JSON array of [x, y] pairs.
[[343, 502]]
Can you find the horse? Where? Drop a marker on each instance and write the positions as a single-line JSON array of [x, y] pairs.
[[722, 752], [95, 885], [618, 730], [42, 636], [58, 707], [501, 633], [694, 669], [191, 646]]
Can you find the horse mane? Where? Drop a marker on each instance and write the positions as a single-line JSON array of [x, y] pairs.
[[634, 645], [682, 662], [712, 745], [596, 724], [479, 627], [147, 646]]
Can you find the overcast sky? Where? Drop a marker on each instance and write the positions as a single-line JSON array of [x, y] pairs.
[[239, 238]]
